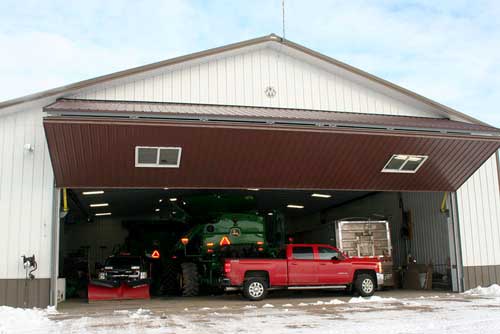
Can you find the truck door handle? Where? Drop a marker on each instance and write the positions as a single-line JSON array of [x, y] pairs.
[[322, 264], [293, 263]]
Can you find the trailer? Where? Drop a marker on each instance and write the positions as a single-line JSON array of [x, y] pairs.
[[362, 237]]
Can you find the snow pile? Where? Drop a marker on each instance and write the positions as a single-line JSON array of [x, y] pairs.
[[491, 291], [358, 300], [319, 302], [140, 313], [268, 306], [14, 320], [334, 302], [249, 307]]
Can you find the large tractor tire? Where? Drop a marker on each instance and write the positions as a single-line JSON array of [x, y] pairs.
[[170, 281], [190, 282]]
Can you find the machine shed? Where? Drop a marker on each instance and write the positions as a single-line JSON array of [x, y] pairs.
[[300, 132]]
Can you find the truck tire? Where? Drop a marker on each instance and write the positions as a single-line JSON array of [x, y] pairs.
[[255, 288], [365, 285], [169, 284], [190, 283]]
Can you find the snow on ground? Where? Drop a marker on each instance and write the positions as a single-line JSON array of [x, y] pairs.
[[491, 291], [477, 310]]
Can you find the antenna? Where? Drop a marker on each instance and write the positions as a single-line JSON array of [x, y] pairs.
[[283, 15]]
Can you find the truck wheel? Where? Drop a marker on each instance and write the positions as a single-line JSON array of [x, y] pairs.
[[255, 288], [169, 284], [365, 285], [190, 281]]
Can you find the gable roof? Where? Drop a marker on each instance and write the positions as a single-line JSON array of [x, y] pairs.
[[60, 91]]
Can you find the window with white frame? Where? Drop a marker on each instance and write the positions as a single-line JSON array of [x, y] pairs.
[[404, 163], [167, 157]]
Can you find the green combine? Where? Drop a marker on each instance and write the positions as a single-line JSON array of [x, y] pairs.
[[225, 227]]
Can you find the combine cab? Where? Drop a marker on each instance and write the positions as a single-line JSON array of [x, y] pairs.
[[122, 277]]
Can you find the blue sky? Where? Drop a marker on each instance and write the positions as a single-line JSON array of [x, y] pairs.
[[448, 51]]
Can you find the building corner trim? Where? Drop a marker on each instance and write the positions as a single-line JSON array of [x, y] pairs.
[[54, 265]]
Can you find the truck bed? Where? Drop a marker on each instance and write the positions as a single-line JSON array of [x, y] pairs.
[[277, 269]]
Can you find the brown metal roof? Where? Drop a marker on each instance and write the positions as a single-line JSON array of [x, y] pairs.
[[99, 152], [65, 90], [261, 114]]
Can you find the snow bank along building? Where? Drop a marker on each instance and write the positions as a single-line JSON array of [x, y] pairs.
[[264, 114]]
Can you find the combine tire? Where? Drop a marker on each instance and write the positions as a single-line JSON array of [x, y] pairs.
[[170, 280], [365, 285], [190, 282]]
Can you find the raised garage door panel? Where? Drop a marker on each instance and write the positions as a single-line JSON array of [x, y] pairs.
[[91, 152]]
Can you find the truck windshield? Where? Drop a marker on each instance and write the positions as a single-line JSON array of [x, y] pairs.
[[303, 253], [123, 261]]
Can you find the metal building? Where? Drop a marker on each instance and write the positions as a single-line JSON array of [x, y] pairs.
[[264, 113]]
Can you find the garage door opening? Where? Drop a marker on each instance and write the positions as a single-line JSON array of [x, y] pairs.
[[151, 223]]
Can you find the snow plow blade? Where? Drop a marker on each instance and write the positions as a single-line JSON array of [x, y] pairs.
[[107, 290]]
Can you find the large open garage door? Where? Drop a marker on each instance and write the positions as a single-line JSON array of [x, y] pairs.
[[410, 229], [369, 168]]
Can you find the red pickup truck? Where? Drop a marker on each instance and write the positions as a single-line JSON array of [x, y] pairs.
[[307, 266]]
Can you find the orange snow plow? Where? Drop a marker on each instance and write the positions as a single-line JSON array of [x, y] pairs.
[[122, 277]]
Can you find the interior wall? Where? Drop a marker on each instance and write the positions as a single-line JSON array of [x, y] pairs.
[[105, 231], [429, 241]]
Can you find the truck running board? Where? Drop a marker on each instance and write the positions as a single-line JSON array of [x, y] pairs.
[[313, 287]]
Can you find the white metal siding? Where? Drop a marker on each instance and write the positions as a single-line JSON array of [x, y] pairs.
[[241, 79], [26, 191], [479, 216]]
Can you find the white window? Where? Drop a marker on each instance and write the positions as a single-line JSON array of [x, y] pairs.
[[167, 157], [404, 163]]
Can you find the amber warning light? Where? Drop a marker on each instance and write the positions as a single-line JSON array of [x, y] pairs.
[[224, 241], [155, 254]]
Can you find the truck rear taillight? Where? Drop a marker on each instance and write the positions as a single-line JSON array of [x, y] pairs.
[[379, 267], [227, 267]]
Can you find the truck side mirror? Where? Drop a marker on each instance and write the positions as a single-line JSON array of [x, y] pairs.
[[339, 257]]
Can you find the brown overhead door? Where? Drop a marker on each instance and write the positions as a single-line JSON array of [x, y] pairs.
[[100, 152]]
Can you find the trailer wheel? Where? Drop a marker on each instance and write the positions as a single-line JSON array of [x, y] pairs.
[[169, 284], [190, 281], [255, 288], [365, 285]]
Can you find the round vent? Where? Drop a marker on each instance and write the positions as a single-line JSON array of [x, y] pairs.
[[270, 92]]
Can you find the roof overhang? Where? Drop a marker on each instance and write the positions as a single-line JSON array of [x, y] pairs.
[[89, 152]]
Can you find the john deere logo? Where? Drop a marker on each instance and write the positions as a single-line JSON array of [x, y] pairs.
[[235, 232]]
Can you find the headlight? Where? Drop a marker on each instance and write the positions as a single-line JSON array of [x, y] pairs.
[[143, 275], [102, 275]]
